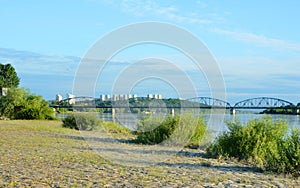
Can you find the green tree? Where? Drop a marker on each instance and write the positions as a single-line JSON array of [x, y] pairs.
[[12, 102], [20, 104], [8, 77]]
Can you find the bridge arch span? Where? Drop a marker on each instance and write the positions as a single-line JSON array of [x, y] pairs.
[[212, 102], [263, 102], [79, 100]]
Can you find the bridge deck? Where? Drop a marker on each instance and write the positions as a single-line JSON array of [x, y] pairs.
[[176, 107]]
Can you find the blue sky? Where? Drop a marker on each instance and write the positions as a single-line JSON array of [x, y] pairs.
[[256, 43]]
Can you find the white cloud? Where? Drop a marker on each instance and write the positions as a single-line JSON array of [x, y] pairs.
[[172, 13], [38, 64], [258, 66], [260, 40], [260, 76]]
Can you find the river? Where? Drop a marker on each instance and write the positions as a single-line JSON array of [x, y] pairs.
[[216, 122]]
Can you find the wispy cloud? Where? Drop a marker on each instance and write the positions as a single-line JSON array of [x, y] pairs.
[[170, 13], [38, 64], [261, 76], [260, 40]]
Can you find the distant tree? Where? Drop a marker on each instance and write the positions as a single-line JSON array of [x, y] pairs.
[[8, 77]]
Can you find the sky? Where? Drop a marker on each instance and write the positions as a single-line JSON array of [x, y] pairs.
[[256, 44]]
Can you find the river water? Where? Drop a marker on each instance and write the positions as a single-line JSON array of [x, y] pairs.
[[216, 122]]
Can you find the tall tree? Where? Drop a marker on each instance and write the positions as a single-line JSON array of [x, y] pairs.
[[8, 77]]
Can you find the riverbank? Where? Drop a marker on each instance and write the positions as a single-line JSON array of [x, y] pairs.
[[41, 154]]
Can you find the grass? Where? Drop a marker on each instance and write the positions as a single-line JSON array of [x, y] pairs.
[[43, 154]]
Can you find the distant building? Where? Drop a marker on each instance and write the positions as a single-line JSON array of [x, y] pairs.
[[4, 91], [158, 96], [59, 97], [155, 96], [126, 97], [71, 98], [115, 97], [121, 97], [150, 96], [102, 97]]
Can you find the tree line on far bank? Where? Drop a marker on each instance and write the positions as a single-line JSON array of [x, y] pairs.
[[19, 103]]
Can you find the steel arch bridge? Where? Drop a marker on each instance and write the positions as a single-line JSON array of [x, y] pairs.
[[196, 102], [210, 102], [78, 101], [262, 103]]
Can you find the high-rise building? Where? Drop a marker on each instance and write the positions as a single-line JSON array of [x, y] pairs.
[[121, 97], [4, 91], [58, 97], [158, 96], [115, 97], [102, 97], [71, 98], [150, 96], [107, 97]]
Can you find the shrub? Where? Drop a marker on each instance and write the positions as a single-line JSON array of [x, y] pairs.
[[89, 122], [155, 130], [287, 157], [81, 121], [20, 104], [185, 130], [35, 107], [29, 113], [262, 142], [199, 133]]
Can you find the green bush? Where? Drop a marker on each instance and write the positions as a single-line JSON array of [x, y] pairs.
[[155, 130], [89, 122], [20, 104], [35, 107], [262, 142], [199, 133], [185, 130], [286, 159], [81, 121]]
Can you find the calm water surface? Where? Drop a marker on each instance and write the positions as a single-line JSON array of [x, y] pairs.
[[215, 122]]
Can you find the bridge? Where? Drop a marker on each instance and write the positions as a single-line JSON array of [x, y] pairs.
[[197, 102]]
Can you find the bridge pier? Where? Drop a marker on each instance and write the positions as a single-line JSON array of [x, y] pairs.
[[113, 114], [295, 111], [172, 112], [232, 111]]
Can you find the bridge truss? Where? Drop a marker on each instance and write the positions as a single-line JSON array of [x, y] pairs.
[[263, 102], [210, 102], [202, 102]]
